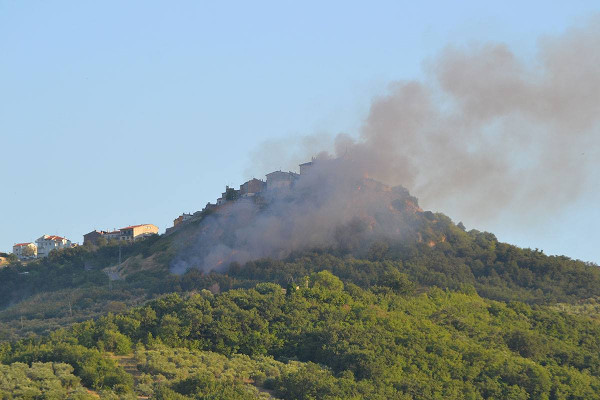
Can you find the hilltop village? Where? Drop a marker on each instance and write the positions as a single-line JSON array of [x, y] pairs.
[[251, 189]]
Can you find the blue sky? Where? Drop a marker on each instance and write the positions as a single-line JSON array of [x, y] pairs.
[[118, 113]]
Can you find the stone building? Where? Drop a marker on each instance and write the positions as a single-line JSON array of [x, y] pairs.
[[252, 187], [230, 194], [93, 236], [281, 180], [135, 232], [182, 218]]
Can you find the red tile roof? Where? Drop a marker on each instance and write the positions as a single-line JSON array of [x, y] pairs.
[[22, 244], [131, 227], [55, 238], [134, 226]]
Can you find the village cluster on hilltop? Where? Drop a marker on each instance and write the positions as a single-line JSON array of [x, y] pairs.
[[45, 244], [276, 180]]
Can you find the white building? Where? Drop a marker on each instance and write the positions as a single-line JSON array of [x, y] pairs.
[[25, 251], [113, 235], [47, 243]]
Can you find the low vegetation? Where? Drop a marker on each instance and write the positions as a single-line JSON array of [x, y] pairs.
[[41, 381]]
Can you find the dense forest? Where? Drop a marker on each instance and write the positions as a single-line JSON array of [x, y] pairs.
[[450, 314]]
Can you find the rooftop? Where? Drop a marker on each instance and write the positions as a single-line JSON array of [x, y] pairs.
[[22, 244], [53, 237], [134, 226], [281, 172]]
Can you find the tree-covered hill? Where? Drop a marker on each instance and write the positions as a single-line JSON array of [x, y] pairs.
[[428, 310], [73, 285], [324, 339]]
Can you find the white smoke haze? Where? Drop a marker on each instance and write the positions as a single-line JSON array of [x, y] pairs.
[[329, 207], [485, 135]]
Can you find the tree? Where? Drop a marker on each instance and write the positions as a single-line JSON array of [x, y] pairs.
[[28, 251], [327, 280]]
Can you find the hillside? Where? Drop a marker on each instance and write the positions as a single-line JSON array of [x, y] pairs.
[[324, 339], [379, 300], [87, 281]]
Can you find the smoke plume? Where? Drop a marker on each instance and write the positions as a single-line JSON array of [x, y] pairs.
[[487, 132], [484, 133]]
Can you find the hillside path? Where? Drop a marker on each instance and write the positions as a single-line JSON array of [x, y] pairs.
[[130, 366]]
